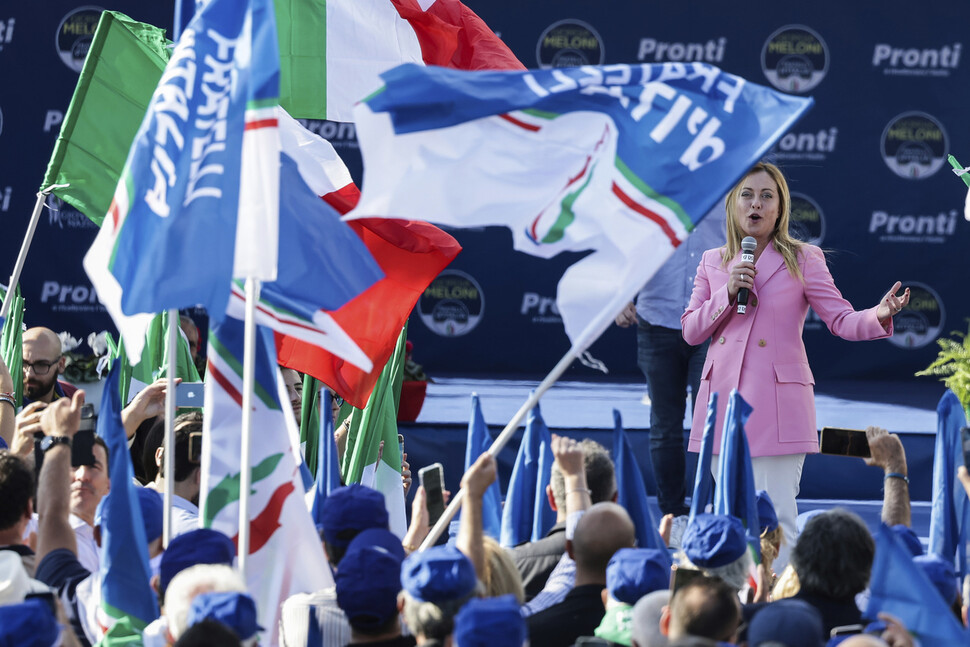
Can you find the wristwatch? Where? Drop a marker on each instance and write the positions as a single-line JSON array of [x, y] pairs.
[[50, 442]]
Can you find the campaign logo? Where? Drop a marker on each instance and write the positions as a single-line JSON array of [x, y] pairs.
[[6, 31], [74, 35], [795, 59], [921, 321], [914, 145], [807, 222], [569, 43], [452, 305], [656, 51], [900, 61], [5, 193], [338, 133], [64, 216], [64, 297], [907, 228], [800, 146], [540, 309]]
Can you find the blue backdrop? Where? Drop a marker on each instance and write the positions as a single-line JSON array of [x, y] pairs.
[[866, 166]]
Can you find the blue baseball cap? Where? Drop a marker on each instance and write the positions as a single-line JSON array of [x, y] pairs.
[[369, 578], [202, 546], [767, 518], [29, 624], [713, 540], [634, 572], [790, 622], [234, 609], [350, 509], [940, 572], [151, 512], [490, 622], [438, 574], [908, 535]]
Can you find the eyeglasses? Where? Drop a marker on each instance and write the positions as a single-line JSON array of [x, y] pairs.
[[337, 400], [40, 367]]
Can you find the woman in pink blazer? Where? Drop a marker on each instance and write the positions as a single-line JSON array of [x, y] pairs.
[[761, 353]]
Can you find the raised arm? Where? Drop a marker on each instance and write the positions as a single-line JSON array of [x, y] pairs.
[[888, 453], [470, 539]]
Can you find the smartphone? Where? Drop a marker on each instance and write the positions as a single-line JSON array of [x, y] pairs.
[[844, 442], [195, 447], [88, 418], [432, 478], [965, 437], [681, 575], [82, 448], [189, 394]]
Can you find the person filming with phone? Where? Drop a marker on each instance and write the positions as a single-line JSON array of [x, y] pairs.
[[758, 348]]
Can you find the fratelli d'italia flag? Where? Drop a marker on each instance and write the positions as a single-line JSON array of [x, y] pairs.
[[623, 160], [285, 555]]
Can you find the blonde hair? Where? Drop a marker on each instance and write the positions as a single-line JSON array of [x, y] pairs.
[[501, 576], [787, 245], [787, 585]]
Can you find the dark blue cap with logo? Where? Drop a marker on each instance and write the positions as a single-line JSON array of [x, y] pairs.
[[767, 518], [490, 622], [713, 540], [350, 509], [793, 623], [369, 578], [202, 546], [438, 574], [234, 609], [634, 572]]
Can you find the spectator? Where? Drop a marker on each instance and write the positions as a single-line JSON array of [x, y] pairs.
[[237, 611], [194, 581], [772, 537], [536, 560], [787, 623], [43, 362], [368, 583], [16, 507], [490, 622], [631, 574], [436, 583], [208, 633], [29, 624], [645, 629], [704, 607], [188, 473], [833, 560], [716, 544], [603, 530]]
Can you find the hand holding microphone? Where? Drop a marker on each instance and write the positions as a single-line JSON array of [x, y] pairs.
[[746, 274]]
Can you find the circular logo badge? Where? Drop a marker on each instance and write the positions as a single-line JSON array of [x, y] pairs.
[[74, 35], [569, 43], [914, 145], [795, 59], [452, 305], [921, 321], [807, 222]]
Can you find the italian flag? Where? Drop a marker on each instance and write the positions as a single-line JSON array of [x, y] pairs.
[[285, 554]]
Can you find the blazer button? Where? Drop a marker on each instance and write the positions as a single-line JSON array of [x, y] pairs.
[[721, 340], [754, 301], [762, 343]]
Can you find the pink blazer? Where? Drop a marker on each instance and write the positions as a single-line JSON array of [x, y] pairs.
[[761, 353]]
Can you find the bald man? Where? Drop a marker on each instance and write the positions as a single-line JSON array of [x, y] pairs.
[[604, 529], [43, 363]]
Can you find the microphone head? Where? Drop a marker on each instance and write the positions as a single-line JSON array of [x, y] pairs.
[[749, 244]]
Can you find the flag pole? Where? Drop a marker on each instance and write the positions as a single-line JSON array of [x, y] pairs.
[[28, 239], [249, 378], [169, 442], [590, 334]]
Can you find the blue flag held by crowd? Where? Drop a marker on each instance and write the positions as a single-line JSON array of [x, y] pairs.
[[623, 160], [527, 515], [703, 481], [477, 443], [632, 493], [950, 514], [734, 492]]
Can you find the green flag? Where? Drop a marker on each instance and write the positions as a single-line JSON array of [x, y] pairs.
[[310, 421], [12, 344], [154, 359], [120, 73], [365, 462]]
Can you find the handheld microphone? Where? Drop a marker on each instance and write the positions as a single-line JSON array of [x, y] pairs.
[[748, 246]]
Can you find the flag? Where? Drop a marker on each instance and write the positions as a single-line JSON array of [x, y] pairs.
[[310, 421], [373, 456], [410, 254], [126, 592], [900, 587], [331, 53], [123, 65], [734, 492], [949, 513], [631, 490], [477, 443], [285, 554], [526, 515], [154, 359], [621, 160], [327, 468], [12, 344], [703, 482], [199, 198]]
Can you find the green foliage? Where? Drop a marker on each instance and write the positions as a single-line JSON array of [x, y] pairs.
[[952, 366]]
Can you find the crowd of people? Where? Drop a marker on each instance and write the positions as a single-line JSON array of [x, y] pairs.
[[585, 583]]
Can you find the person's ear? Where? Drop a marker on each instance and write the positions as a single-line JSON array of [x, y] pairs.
[[552, 499], [61, 364], [605, 595], [159, 457], [665, 621]]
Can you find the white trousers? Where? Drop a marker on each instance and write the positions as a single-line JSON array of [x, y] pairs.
[[781, 477]]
